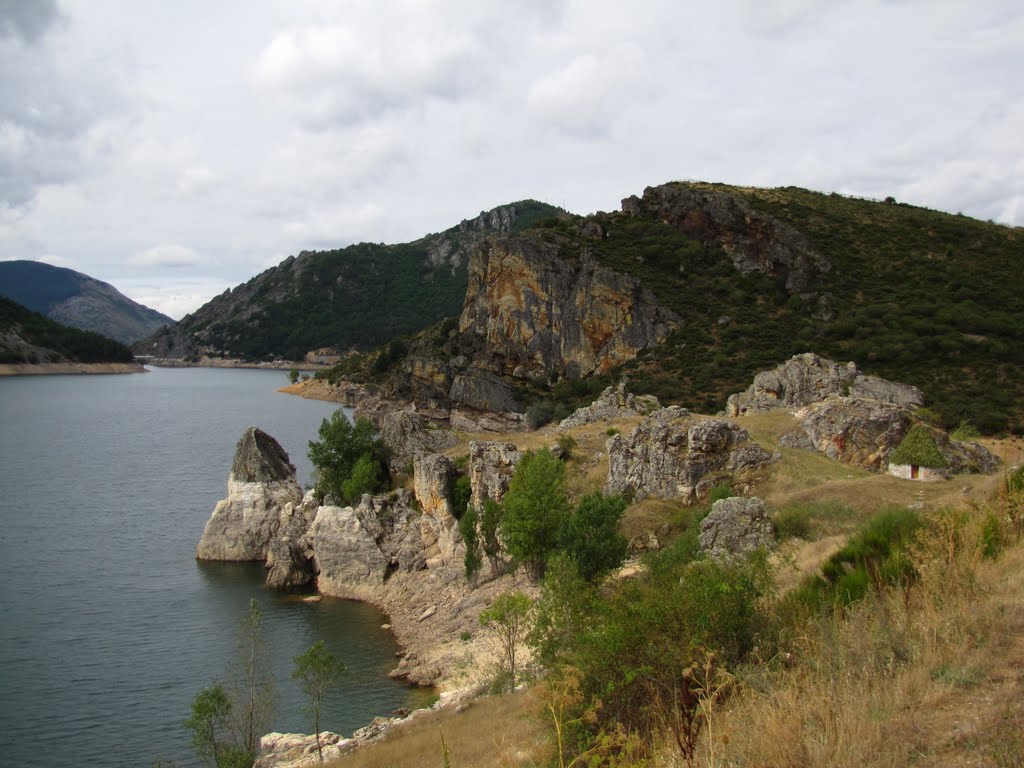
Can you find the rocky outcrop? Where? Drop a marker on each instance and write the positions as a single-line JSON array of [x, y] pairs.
[[611, 405], [407, 433], [491, 466], [483, 391], [530, 312], [298, 750], [261, 488], [433, 476], [850, 429], [736, 526], [965, 457], [674, 455], [755, 241], [290, 553], [808, 378]]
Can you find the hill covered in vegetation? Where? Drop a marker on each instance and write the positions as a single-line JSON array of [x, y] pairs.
[[28, 337], [743, 278], [77, 300], [358, 297]]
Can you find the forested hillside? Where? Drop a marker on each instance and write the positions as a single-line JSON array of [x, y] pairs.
[[28, 337]]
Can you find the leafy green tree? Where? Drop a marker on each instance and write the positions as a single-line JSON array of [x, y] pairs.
[[591, 535], [508, 619], [560, 615], [462, 491], [467, 528], [535, 508], [318, 670], [211, 726], [293, 375], [337, 454], [490, 523]]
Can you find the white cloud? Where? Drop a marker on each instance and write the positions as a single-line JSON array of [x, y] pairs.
[[167, 255]]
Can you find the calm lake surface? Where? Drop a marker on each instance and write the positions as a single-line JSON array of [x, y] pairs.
[[108, 624]]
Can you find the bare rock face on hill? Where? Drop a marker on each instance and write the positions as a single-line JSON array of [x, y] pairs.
[[735, 527], [406, 433], [808, 378], [755, 241], [675, 455], [261, 486], [529, 311], [612, 404]]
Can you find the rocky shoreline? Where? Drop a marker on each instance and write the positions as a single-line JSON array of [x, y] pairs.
[[63, 369], [216, 362]]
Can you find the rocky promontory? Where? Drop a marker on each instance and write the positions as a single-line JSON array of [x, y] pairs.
[[261, 488]]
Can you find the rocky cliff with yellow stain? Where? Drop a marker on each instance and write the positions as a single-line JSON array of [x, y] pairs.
[[530, 310]]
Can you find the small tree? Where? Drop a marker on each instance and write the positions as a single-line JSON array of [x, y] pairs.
[[293, 375], [490, 522], [535, 509], [337, 455], [591, 536], [508, 618], [467, 528], [211, 726], [253, 695], [318, 671]]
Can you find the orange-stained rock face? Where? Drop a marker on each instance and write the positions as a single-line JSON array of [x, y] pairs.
[[537, 311]]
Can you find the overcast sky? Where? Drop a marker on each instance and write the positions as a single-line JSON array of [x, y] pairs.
[[175, 149]]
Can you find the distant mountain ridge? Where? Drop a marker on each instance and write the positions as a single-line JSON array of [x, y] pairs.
[[74, 299], [29, 338], [357, 297]]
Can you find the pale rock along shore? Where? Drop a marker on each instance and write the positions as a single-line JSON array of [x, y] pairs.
[[53, 369]]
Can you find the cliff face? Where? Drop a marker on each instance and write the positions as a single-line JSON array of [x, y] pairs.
[[529, 310]]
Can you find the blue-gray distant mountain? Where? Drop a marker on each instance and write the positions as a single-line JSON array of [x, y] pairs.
[[78, 301]]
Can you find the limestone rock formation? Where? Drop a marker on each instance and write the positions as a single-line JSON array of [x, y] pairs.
[[491, 466], [612, 404], [290, 553], [808, 378], [299, 750], [432, 483], [261, 486], [850, 429], [527, 310], [735, 527], [965, 457], [407, 433], [674, 455]]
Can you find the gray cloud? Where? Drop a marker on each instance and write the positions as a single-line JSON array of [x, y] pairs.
[[245, 131], [27, 20]]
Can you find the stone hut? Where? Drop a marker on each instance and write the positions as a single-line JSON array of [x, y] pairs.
[[917, 457]]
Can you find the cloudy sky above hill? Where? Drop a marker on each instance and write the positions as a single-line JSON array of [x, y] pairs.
[[177, 149]]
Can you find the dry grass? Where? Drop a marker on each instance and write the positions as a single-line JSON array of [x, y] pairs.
[[930, 674], [499, 731]]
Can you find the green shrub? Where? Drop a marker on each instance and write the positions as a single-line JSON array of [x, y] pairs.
[[721, 491], [462, 492], [539, 414], [965, 432], [792, 522], [591, 535], [350, 459], [567, 443]]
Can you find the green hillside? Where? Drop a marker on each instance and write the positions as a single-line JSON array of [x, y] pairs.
[[911, 294], [28, 337]]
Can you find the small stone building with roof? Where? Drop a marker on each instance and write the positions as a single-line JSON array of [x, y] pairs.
[[917, 457]]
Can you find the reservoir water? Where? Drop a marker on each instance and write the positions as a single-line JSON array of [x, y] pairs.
[[108, 625]]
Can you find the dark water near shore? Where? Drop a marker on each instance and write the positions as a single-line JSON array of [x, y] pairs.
[[108, 625]]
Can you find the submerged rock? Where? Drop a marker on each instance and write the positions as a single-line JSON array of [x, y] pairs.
[[261, 487]]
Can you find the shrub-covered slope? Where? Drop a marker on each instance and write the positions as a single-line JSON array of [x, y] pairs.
[[28, 337], [915, 295]]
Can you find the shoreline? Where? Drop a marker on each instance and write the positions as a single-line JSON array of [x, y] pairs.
[[208, 362], [65, 369]]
